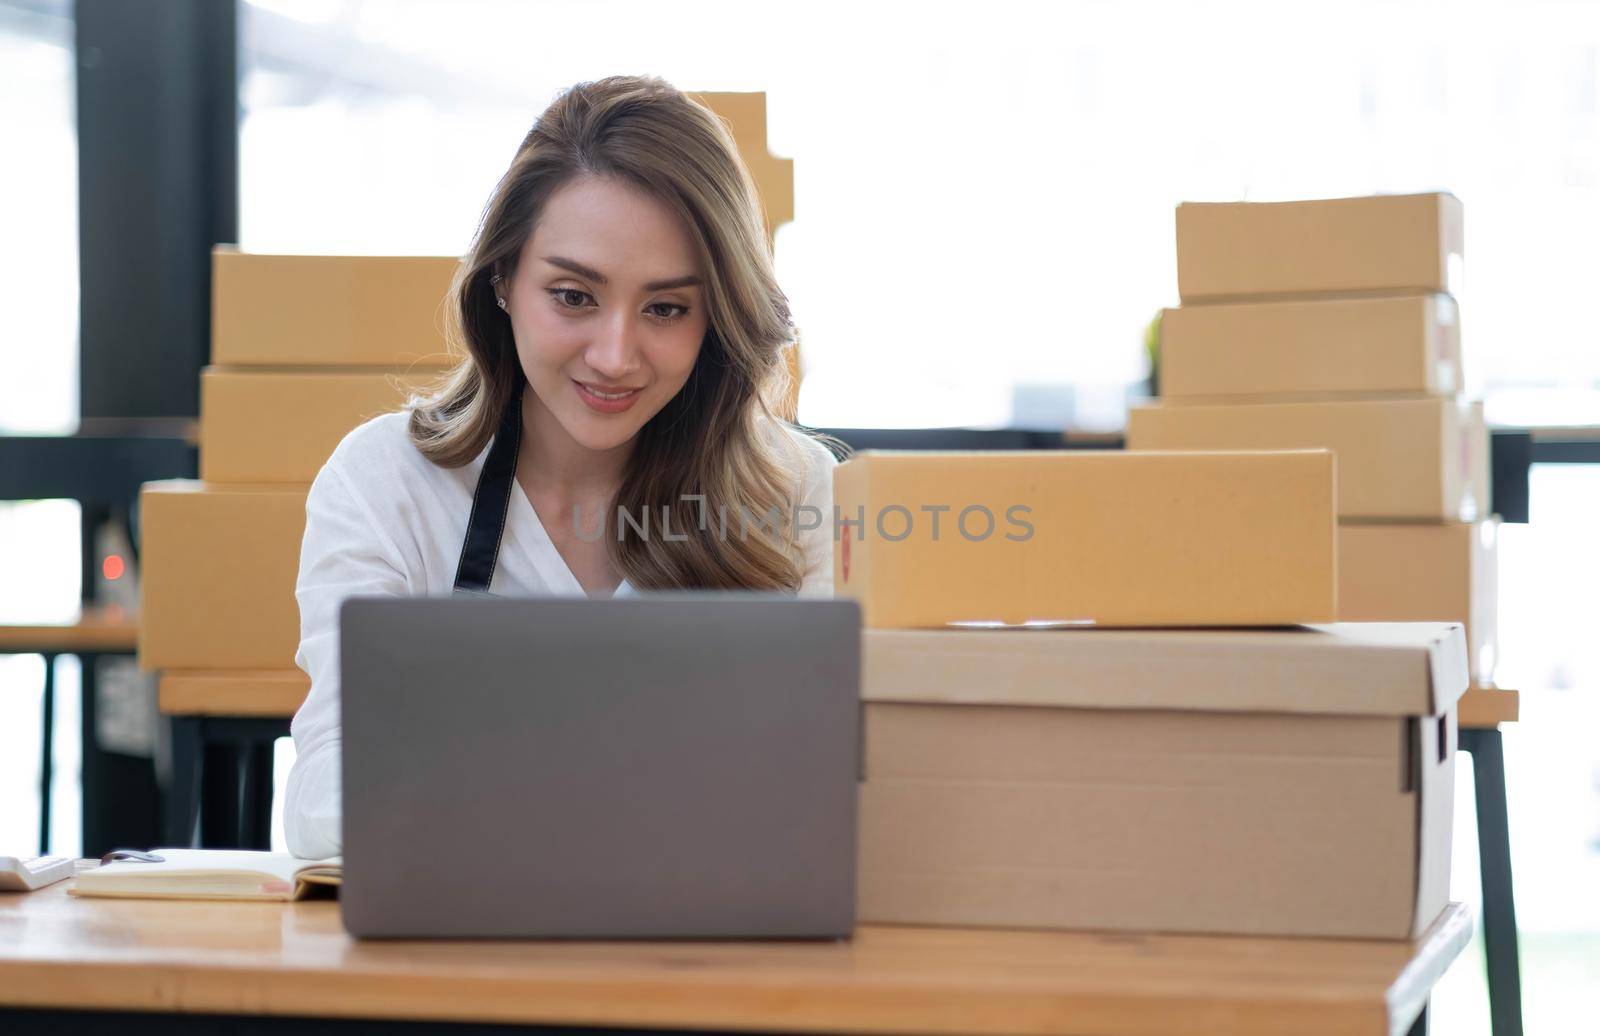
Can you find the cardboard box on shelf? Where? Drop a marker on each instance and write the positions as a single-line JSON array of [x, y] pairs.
[[218, 568], [1424, 572], [1378, 244], [329, 310], [1423, 459], [1253, 782], [280, 426], [1405, 345], [1080, 536]]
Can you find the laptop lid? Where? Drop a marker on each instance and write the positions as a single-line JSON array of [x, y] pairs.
[[669, 765]]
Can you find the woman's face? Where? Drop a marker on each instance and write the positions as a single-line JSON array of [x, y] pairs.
[[607, 309]]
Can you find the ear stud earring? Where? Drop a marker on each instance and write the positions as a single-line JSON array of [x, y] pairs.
[[499, 299]]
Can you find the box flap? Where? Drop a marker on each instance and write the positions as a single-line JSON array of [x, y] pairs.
[[1435, 753], [1366, 668]]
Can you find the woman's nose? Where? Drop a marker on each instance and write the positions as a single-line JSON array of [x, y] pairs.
[[614, 352]]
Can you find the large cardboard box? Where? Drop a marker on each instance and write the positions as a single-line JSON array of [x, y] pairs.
[[219, 564], [1384, 243], [277, 426], [1414, 572], [1419, 459], [329, 310], [1256, 782], [1108, 537], [1406, 345]]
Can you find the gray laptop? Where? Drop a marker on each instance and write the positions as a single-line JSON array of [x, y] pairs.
[[667, 765]]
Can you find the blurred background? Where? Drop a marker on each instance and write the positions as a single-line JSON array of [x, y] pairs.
[[984, 200]]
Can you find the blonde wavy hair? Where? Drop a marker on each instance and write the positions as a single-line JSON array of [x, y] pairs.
[[707, 441]]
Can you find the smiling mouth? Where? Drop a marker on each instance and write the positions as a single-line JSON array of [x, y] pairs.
[[607, 394], [607, 400]]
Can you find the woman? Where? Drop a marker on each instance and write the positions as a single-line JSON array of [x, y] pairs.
[[606, 431]]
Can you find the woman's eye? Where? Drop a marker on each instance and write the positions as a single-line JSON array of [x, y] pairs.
[[562, 295], [681, 310]]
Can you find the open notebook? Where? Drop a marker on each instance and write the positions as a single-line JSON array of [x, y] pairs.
[[211, 874]]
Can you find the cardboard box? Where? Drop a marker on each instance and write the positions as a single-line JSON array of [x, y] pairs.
[[218, 569], [1415, 572], [1419, 459], [329, 310], [1079, 536], [1253, 782], [271, 426], [1380, 244], [1406, 345]]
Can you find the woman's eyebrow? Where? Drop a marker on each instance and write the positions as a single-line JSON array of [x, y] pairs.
[[600, 278]]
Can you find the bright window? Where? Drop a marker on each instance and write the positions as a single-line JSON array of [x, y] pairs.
[[984, 193]]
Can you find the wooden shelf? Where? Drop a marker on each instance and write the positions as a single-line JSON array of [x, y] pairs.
[[243, 692], [1488, 707], [102, 628]]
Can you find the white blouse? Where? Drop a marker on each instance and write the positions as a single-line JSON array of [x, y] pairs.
[[383, 519]]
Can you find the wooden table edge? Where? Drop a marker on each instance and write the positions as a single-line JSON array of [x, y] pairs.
[[245, 693], [667, 995], [1484, 708], [1437, 949], [99, 629], [657, 1004]]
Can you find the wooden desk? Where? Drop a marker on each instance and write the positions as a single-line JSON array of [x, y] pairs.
[[268, 693], [231, 718], [1485, 707], [1480, 713], [104, 629], [61, 952], [93, 631]]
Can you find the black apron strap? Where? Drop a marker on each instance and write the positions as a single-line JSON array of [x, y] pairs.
[[490, 503]]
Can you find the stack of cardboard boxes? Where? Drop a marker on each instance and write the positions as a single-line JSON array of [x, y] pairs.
[[1334, 324], [1153, 772], [304, 349], [1159, 771]]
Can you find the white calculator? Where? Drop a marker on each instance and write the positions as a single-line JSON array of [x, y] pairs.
[[24, 874]]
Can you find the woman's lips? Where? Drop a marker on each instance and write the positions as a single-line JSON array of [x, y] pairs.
[[606, 400]]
